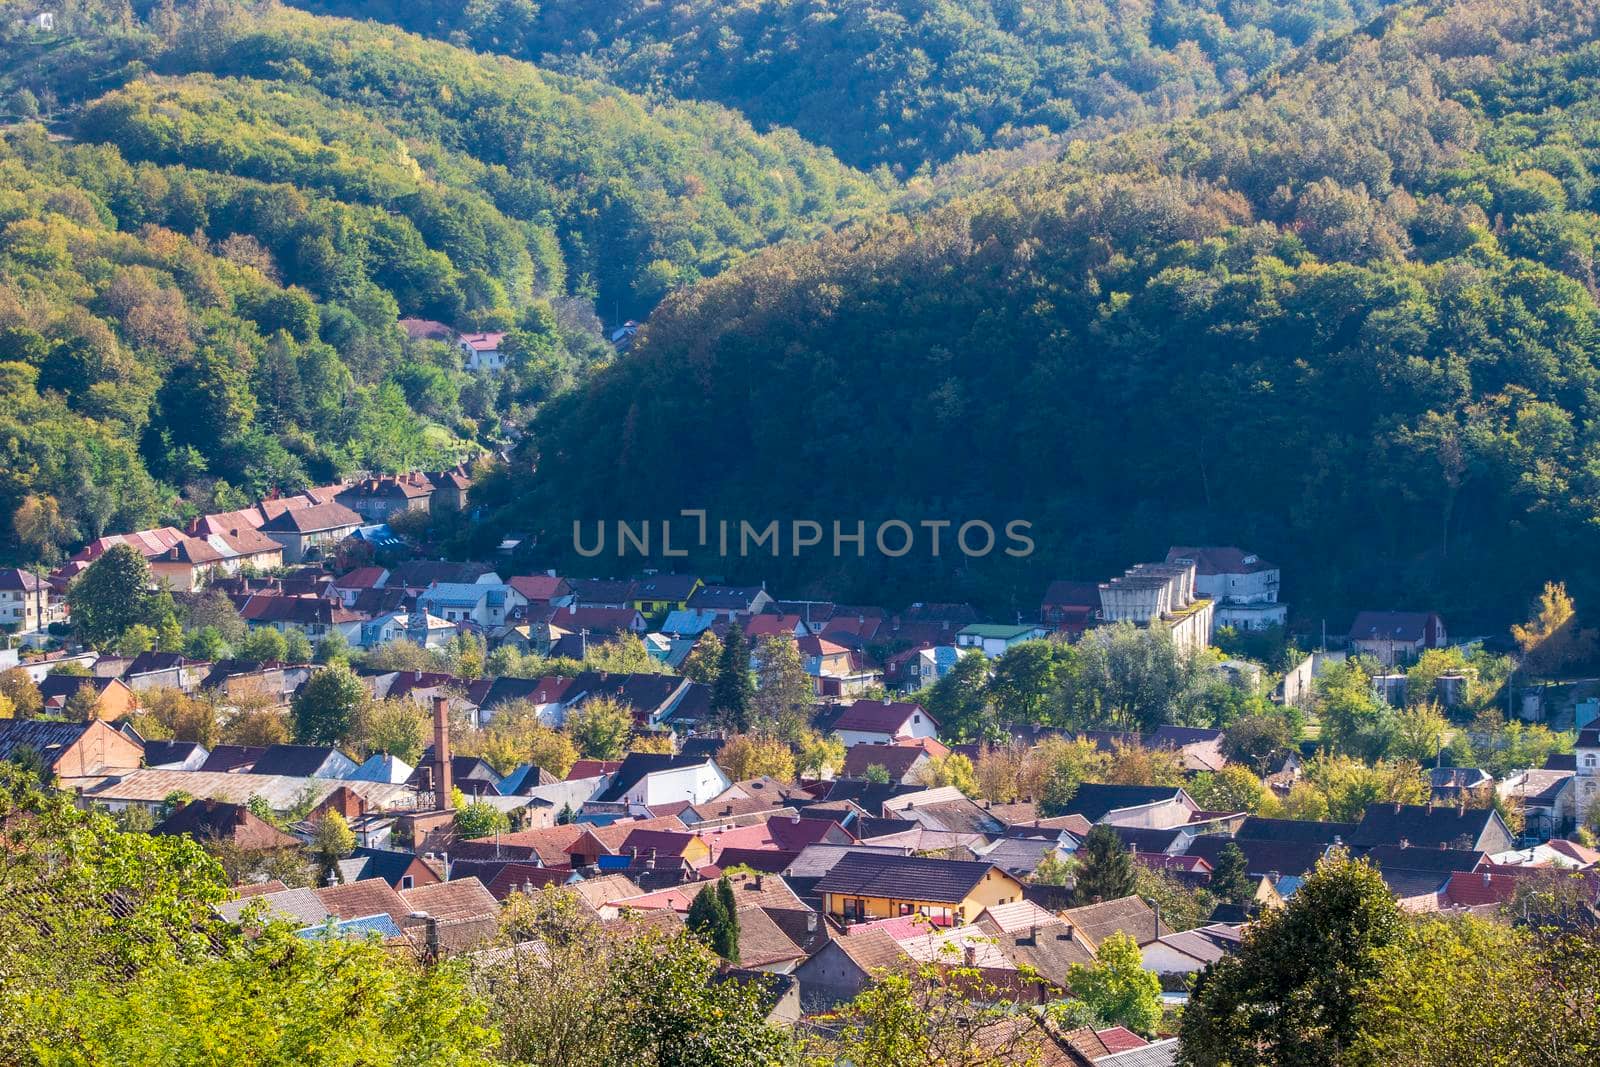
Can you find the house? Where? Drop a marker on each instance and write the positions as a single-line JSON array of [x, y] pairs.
[[450, 488], [1428, 826], [1199, 748], [309, 532], [175, 755], [112, 697], [649, 779], [313, 616], [540, 591], [994, 639], [1124, 915], [239, 540], [457, 916], [864, 886], [1262, 856], [402, 870], [1070, 608], [214, 820], [689, 622], [1243, 586], [380, 499], [349, 587], [1153, 806], [1586, 770], [903, 763], [24, 601], [1161, 596], [872, 722], [482, 351], [655, 595], [845, 966], [1396, 638], [163, 670], [728, 601], [487, 602], [1190, 951], [304, 761], [1416, 876], [69, 749]]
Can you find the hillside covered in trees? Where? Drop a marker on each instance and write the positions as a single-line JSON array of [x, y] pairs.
[[900, 82], [1349, 321], [204, 253]]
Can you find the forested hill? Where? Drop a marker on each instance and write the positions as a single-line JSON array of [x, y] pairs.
[[1349, 322], [899, 82], [206, 244]]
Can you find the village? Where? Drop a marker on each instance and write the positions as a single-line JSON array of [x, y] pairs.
[[857, 777]]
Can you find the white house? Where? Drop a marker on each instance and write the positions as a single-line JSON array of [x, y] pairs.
[[1586, 782], [1190, 951], [487, 602], [647, 779], [993, 640], [875, 722], [1243, 586], [482, 351]]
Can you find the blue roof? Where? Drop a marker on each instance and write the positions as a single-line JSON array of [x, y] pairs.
[[381, 925], [688, 622]]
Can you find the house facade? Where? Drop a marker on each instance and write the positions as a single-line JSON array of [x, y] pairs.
[[311, 531], [1396, 638], [1243, 586]]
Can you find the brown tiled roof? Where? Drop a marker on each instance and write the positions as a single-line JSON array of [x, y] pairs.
[[549, 844], [313, 519], [463, 898], [761, 942], [872, 950], [213, 819], [596, 891], [370, 896], [255, 889], [1128, 915]]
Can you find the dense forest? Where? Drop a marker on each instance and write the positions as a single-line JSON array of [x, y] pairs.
[[1349, 321], [1335, 303], [900, 82], [212, 216]]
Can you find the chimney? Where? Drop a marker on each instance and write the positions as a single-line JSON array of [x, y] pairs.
[[441, 753], [760, 880], [811, 922]]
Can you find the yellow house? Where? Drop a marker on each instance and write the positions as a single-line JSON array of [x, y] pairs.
[[657, 594], [864, 886]]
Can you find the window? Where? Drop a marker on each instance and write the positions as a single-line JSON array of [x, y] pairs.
[[1588, 761], [407, 882], [917, 719]]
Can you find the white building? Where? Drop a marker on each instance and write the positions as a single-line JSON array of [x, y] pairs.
[[1160, 594], [482, 351], [1243, 585]]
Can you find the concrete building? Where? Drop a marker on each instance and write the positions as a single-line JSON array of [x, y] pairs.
[[1160, 595]]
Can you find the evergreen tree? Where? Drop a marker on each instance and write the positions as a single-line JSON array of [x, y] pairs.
[[713, 917], [1230, 879], [733, 691], [1105, 867]]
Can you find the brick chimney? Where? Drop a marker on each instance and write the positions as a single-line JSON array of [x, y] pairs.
[[441, 753]]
